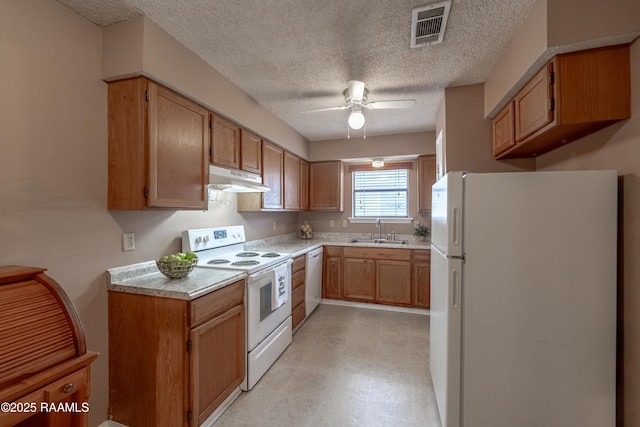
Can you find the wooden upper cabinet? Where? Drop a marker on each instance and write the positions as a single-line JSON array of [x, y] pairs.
[[158, 143], [303, 188], [291, 181], [326, 181], [534, 104], [426, 179], [225, 142], [272, 176], [250, 152], [502, 128], [573, 95]]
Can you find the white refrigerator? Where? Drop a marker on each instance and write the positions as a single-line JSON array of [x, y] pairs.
[[523, 299]]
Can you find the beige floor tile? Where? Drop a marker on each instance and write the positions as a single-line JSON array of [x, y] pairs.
[[346, 367]]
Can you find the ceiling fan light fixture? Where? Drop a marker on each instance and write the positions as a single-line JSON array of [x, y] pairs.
[[356, 120]]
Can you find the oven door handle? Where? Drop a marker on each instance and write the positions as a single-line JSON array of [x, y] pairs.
[[269, 271]]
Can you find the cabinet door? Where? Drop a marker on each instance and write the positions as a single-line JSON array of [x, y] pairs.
[[250, 152], [421, 278], [533, 106], [332, 275], [359, 279], [225, 142], [304, 185], [426, 178], [178, 142], [217, 361], [291, 181], [272, 172], [325, 186], [393, 282], [502, 127]]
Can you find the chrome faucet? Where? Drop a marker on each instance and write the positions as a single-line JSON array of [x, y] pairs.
[[379, 227]]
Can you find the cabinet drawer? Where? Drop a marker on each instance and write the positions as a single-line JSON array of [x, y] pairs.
[[298, 263], [72, 383], [421, 255], [330, 251], [216, 302], [298, 314], [375, 253], [297, 296], [297, 279]]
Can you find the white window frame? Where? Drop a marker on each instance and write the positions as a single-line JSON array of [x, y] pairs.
[[385, 219]]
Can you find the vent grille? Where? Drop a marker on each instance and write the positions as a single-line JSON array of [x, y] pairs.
[[428, 24]]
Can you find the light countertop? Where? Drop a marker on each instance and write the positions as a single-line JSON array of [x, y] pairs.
[[145, 278], [297, 247]]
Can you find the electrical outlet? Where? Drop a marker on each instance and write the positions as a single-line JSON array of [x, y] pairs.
[[274, 225], [128, 241], [344, 223], [331, 223]]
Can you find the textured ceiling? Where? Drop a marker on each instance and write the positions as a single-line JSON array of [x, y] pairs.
[[295, 55]]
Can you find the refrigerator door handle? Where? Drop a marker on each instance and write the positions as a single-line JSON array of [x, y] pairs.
[[455, 289], [455, 235]]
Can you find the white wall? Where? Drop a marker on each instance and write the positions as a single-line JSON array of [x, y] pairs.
[[138, 46], [53, 171], [385, 146]]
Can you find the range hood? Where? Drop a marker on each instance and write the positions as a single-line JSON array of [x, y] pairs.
[[235, 181]]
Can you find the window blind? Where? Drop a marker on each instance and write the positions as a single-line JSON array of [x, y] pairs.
[[381, 193]]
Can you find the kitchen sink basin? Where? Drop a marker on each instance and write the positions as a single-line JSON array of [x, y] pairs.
[[381, 241]]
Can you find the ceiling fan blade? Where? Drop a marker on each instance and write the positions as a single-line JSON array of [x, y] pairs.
[[404, 103], [356, 90], [343, 107]]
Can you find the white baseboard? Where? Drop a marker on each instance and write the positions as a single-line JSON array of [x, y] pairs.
[[422, 311]]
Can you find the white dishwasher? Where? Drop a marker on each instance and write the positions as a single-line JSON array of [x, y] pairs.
[[313, 280]]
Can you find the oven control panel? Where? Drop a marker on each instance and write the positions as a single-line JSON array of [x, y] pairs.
[[200, 239]]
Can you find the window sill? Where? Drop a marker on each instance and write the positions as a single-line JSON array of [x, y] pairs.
[[383, 220]]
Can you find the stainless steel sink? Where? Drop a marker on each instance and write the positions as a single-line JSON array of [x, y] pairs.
[[381, 241]]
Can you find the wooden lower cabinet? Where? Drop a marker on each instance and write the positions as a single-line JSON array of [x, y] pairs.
[[377, 275], [359, 279], [332, 272], [393, 282], [172, 362], [217, 361], [380, 275], [298, 307], [421, 261]]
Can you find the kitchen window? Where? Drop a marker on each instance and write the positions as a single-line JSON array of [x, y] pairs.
[[381, 193]]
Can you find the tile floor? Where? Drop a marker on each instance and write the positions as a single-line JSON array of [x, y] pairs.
[[346, 367]]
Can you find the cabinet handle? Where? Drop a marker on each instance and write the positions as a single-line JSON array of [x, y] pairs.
[[68, 388]]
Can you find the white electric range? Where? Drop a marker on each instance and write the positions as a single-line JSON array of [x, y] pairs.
[[267, 296]]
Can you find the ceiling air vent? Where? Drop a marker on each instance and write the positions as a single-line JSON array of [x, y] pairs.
[[428, 23]]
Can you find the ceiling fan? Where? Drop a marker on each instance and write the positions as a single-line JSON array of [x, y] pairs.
[[356, 96]]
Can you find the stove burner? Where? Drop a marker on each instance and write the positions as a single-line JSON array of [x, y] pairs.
[[271, 255], [218, 261], [248, 262], [247, 254]]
